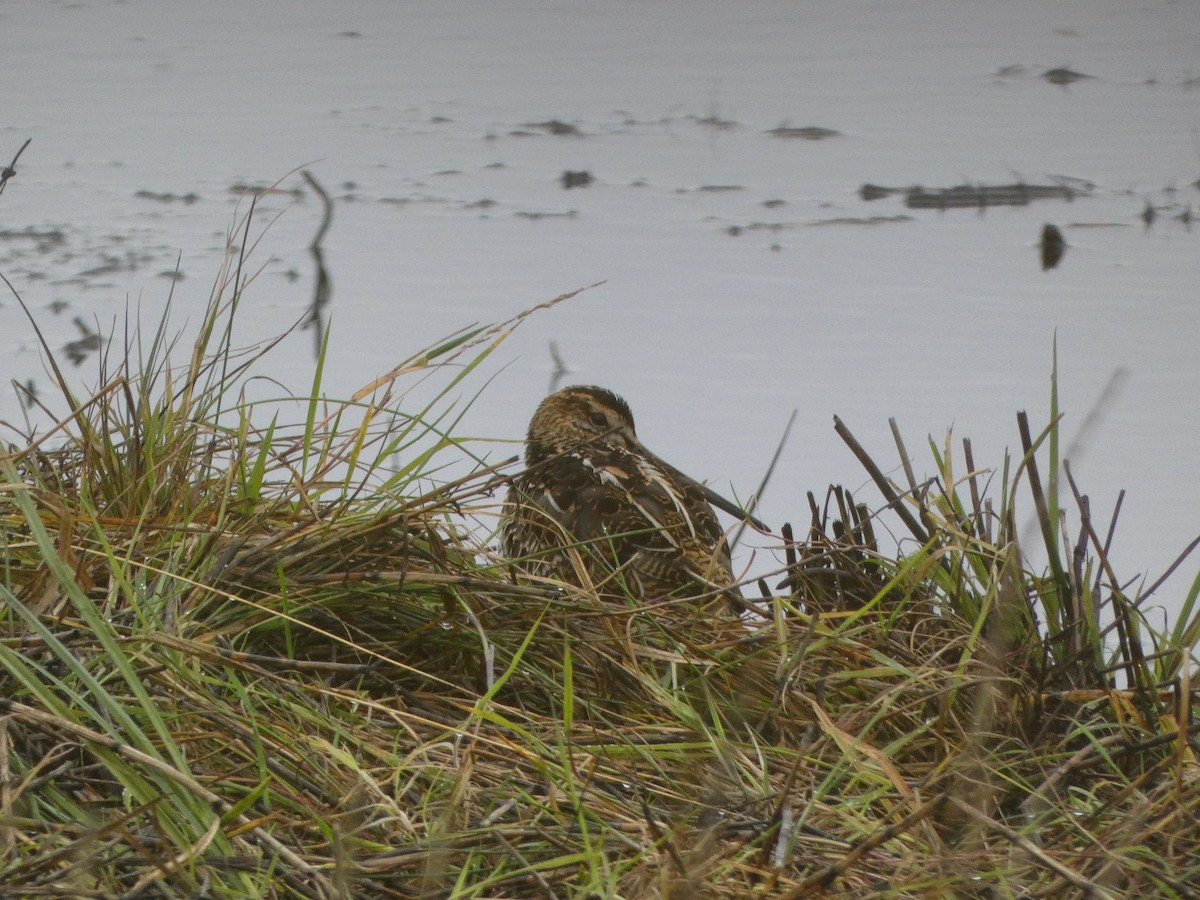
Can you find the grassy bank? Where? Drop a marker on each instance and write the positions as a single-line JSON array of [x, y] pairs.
[[246, 655]]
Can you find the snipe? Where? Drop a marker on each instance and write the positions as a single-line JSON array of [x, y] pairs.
[[592, 496]]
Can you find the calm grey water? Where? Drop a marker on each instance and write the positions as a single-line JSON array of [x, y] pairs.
[[744, 276]]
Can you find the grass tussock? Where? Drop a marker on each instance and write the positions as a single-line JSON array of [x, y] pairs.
[[269, 659]]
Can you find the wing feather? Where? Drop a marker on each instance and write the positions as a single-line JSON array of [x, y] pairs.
[[637, 516]]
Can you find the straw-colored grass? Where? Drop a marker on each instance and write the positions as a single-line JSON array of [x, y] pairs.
[[247, 658]]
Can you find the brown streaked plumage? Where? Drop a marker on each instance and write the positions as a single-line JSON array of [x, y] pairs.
[[640, 525]]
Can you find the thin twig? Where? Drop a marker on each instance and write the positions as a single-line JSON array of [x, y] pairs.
[[10, 170], [762, 485]]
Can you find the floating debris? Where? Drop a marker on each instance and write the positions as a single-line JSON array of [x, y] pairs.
[[571, 179], [807, 133], [185, 199], [261, 190], [1064, 76], [111, 265], [983, 195], [777, 227], [555, 126], [1052, 246], [977, 195], [536, 216], [871, 192], [863, 220], [44, 239], [717, 123]]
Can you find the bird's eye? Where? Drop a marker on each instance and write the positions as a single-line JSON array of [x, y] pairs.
[[598, 419]]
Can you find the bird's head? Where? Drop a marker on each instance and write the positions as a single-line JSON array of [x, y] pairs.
[[580, 416]]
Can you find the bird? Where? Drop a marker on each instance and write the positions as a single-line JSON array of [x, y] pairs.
[[594, 506]]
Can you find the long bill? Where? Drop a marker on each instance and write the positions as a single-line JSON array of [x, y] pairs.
[[729, 506]]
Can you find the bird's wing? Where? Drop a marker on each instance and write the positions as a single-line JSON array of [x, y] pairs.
[[652, 519]]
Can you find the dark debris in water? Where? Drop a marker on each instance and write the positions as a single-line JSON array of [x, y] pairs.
[[871, 192], [1052, 246], [775, 227], [973, 196], [984, 195], [555, 126], [1064, 76], [111, 263], [260, 190], [185, 199], [578, 179], [806, 133], [716, 123], [1061, 75], [537, 216], [864, 220], [43, 239]]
